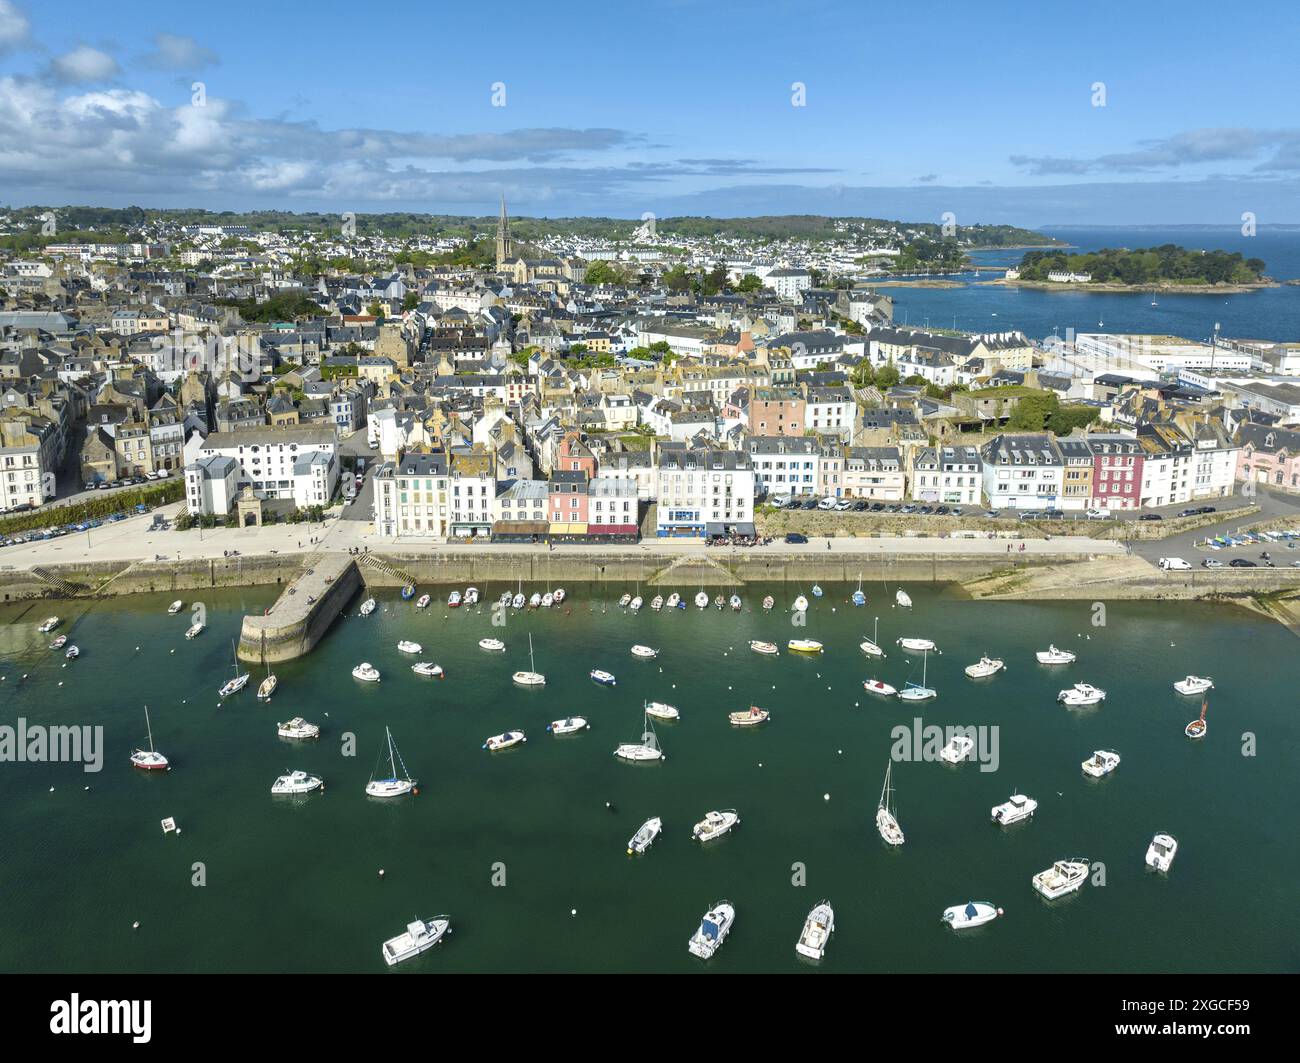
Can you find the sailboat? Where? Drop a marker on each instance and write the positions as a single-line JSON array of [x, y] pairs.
[[858, 597], [871, 646], [1196, 729], [532, 677], [903, 598], [913, 692], [149, 759], [646, 749], [237, 682], [393, 786], [886, 818], [267, 687]]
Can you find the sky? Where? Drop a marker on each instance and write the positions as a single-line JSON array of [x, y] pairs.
[[1144, 112]]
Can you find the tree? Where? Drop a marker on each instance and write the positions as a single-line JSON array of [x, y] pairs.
[[677, 279], [1067, 418], [749, 283], [1032, 411], [887, 376], [863, 375], [411, 301], [604, 272]]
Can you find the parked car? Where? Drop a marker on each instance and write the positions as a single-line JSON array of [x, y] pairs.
[[1168, 563], [826, 503], [843, 505], [1098, 513], [810, 503], [877, 507], [1151, 516], [1207, 509], [860, 506], [1241, 562], [795, 538], [1211, 562]]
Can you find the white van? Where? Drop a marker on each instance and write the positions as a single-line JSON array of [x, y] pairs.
[[1169, 563]]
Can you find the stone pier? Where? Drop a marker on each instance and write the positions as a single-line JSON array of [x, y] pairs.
[[303, 612]]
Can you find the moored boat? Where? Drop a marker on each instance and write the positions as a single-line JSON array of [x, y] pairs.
[[623, 602], [886, 813], [368, 607], [701, 600], [195, 630], [1194, 684], [817, 931], [428, 669], [715, 824], [1052, 655], [1161, 852], [423, 601], [532, 677], [1102, 762], [59, 642], [395, 785], [903, 598], [1015, 808], [48, 625], [454, 600], [662, 711], [917, 645], [72, 653], [768, 649], [519, 601], [406, 646], [492, 645], [266, 688], [751, 718], [1197, 728], [636, 603], [1081, 694], [878, 686], [804, 646], [644, 652], [148, 759], [569, 725], [984, 667], [735, 602], [604, 678], [768, 603], [366, 672], [471, 596], [548, 600], [971, 914], [959, 748], [559, 595], [297, 782], [505, 740], [712, 931], [645, 836], [1064, 876], [674, 600], [297, 728], [645, 750], [175, 607], [800, 604], [236, 682], [657, 602], [408, 592], [418, 937]]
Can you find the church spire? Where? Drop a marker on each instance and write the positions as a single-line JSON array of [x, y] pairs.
[[505, 247]]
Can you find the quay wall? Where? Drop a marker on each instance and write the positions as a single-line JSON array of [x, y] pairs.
[[303, 612]]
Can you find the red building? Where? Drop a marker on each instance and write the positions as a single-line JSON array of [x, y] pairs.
[[1116, 471]]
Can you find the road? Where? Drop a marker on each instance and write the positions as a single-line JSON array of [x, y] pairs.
[[1271, 506]]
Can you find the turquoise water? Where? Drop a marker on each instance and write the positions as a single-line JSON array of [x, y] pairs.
[[293, 884]]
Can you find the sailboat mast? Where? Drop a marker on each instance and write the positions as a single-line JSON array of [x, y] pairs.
[[149, 727], [391, 766]]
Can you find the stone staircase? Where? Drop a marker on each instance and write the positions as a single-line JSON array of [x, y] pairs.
[[57, 583], [386, 567]]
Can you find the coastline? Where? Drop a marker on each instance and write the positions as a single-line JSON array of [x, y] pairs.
[[1120, 289]]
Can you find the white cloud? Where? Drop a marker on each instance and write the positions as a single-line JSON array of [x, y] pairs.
[[15, 29], [83, 65], [172, 52]]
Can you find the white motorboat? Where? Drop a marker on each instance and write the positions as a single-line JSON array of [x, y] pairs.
[[236, 682], [175, 607], [712, 931], [735, 602], [59, 642], [1064, 876], [492, 645], [407, 646], [886, 813], [506, 598], [418, 937], [902, 598], [1081, 694], [535, 600], [297, 728], [471, 596], [428, 669], [366, 672], [266, 688], [395, 785], [957, 750], [674, 600], [532, 677], [917, 645], [195, 630], [368, 607], [559, 595], [919, 691], [49, 625], [645, 836], [971, 914], [817, 931], [701, 600], [1197, 728], [72, 653], [1161, 852], [715, 824], [1052, 655], [623, 602], [569, 725], [657, 602], [636, 603], [768, 603], [148, 759], [548, 600], [645, 750], [1102, 762], [719, 601], [1194, 684], [984, 667], [297, 782], [769, 649], [800, 604], [504, 740], [453, 600], [804, 646], [518, 602], [604, 678], [877, 686], [751, 717], [661, 711], [423, 601], [1015, 808], [645, 652]]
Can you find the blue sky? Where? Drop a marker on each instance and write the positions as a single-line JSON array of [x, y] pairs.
[[667, 106]]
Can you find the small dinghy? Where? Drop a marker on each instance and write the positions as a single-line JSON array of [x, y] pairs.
[[518, 601], [429, 670], [903, 599], [408, 592], [984, 667], [1197, 728], [297, 782], [366, 672], [768, 603], [195, 631], [569, 725], [605, 679], [768, 649], [662, 711], [297, 728], [804, 646], [750, 718], [1052, 655], [816, 590], [1161, 852], [715, 824], [418, 937], [559, 595], [657, 602], [1194, 684], [504, 740], [817, 931], [971, 914], [406, 646], [674, 600], [548, 600], [72, 653], [368, 607], [492, 645], [719, 602], [712, 931], [701, 600], [175, 607], [636, 603], [645, 836], [471, 596], [423, 601], [624, 601], [59, 642], [644, 652], [800, 604], [1102, 762], [736, 604], [535, 600], [878, 686]]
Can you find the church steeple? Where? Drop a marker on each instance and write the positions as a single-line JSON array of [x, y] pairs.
[[505, 247]]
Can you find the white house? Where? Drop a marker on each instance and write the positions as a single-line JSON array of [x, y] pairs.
[[1023, 472], [704, 492], [297, 464], [411, 497]]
